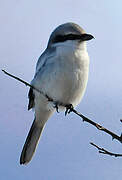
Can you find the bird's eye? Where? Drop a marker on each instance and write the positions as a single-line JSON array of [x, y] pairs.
[[59, 38]]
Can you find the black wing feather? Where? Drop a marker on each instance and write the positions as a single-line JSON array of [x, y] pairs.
[[31, 99]]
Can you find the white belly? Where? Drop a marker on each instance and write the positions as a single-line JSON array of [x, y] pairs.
[[65, 80]]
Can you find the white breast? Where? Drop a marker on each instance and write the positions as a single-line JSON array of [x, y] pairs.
[[75, 66], [65, 76]]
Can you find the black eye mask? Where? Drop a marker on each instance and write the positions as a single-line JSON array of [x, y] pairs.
[[62, 38]]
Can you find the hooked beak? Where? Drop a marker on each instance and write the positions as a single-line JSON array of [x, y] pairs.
[[86, 37]]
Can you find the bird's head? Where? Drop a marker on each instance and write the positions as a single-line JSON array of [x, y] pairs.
[[69, 32]]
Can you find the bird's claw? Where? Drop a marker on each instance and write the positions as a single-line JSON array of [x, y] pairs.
[[69, 108], [56, 106]]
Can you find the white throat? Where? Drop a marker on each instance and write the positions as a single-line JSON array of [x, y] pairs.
[[72, 44]]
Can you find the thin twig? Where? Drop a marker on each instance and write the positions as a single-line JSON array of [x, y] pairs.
[[27, 84], [85, 119], [98, 126], [104, 151]]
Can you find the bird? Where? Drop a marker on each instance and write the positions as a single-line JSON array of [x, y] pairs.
[[61, 74]]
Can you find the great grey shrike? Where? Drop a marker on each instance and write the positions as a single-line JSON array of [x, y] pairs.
[[62, 74]]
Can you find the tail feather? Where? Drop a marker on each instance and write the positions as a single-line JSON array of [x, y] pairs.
[[31, 143]]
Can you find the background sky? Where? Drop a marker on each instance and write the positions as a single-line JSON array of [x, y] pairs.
[[64, 152]]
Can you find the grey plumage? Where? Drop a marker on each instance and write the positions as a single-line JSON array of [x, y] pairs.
[[31, 143], [62, 74]]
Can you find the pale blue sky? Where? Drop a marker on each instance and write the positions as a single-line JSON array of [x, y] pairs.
[[64, 152]]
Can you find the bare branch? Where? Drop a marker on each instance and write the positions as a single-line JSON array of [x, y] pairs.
[[104, 151], [27, 84], [71, 109], [98, 126]]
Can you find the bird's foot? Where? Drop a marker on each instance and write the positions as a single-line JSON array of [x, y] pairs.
[[69, 108], [56, 107]]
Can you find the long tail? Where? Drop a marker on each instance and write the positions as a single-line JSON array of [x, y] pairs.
[[31, 142]]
